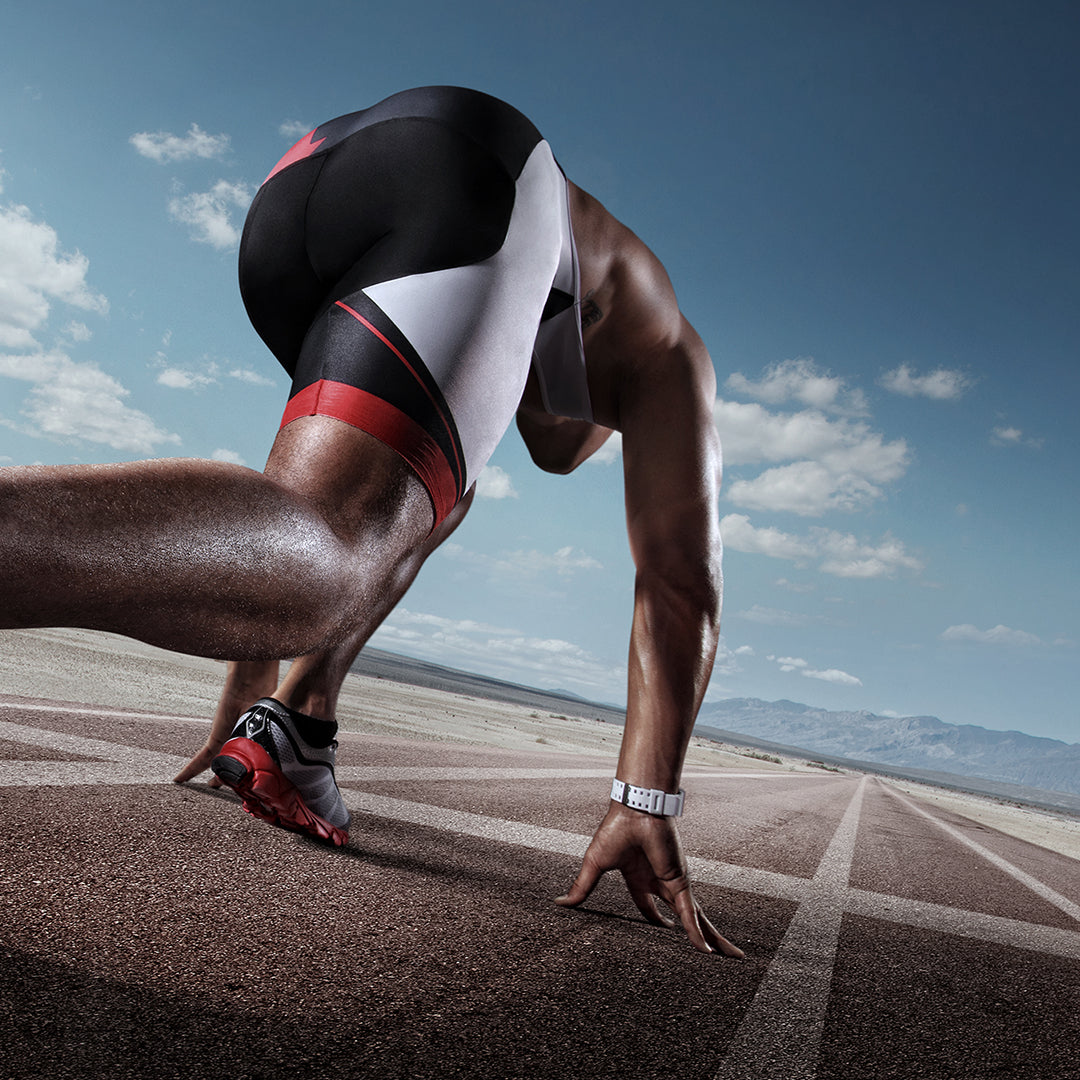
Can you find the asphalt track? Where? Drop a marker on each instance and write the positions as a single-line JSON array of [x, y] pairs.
[[153, 930]]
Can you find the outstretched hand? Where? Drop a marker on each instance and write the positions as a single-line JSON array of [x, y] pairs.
[[647, 852], [244, 685]]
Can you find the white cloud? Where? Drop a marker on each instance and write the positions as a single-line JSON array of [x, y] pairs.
[[67, 400], [610, 452], [564, 562], [794, 586], [70, 400], [838, 554], [727, 659], [1012, 436], [294, 129], [253, 378], [179, 379], [231, 457], [33, 272], [835, 464], [739, 535], [524, 564], [209, 214], [767, 616], [800, 380], [834, 675], [206, 373], [996, 635], [500, 652], [790, 664], [752, 435], [940, 385], [806, 488], [163, 147], [77, 331], [494, 483]]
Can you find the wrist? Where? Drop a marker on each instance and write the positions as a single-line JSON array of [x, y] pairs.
[[653, 801]]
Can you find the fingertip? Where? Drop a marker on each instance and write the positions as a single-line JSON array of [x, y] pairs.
[[572, 898]]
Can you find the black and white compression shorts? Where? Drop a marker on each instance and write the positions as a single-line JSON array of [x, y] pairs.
[[399, 263]]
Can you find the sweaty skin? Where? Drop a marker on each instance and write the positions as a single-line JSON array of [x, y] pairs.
[[650, 378], [307, 558]]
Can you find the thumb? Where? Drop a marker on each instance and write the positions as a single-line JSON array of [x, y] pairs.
[[584, 883]]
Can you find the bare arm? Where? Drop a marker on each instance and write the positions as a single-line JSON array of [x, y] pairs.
[[671, 460], [672, 468]]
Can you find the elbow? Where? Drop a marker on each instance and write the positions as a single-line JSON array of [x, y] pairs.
[[551, 462]]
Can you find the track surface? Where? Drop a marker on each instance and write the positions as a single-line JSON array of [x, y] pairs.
[[151, 930]]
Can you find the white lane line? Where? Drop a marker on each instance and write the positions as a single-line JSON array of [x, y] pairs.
[[991, 929], [85, 773], [126, 765], [461, 821], [779, 1037], [367, 773], [1061, 902], [84, 747], [80, 710], [539, 838], [154, 767]]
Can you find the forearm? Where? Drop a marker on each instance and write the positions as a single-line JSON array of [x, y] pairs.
[[672, 648]]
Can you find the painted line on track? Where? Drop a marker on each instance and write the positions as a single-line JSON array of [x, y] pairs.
[[780, 1034], [352, 774], [85, 710], [1050, 895], [120, 764]]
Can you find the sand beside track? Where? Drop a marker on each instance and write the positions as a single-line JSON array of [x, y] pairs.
[[104, 669]]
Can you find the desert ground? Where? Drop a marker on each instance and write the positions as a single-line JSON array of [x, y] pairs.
[[94, 668]]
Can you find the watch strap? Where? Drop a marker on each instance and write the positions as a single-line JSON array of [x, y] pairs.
[[653, 801]]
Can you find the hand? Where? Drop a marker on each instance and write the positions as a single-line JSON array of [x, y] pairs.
[[647, 852], [245, 683]]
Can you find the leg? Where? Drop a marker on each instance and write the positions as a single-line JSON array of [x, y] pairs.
[[213, 559], [249, 745], [313, 682]]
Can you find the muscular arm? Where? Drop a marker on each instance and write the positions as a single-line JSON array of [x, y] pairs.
[[671, 458], [656, 384], [672, 465]]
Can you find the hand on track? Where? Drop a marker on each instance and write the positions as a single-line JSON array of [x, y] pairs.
[[647, 852], [245, 683]]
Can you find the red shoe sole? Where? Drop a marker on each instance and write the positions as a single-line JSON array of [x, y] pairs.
[[268, 794]]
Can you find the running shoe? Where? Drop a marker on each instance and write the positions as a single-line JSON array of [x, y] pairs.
[[281, 777]]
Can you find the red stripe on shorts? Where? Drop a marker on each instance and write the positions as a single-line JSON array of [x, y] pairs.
[[304, 148], [420, 382], [389, 425]]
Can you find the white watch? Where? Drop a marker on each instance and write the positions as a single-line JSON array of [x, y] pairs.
[[653, 801]]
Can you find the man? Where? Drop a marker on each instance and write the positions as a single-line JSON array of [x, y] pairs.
[[424, 271]]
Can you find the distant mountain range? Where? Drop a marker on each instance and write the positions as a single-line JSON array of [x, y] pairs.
[[1008, 764], [915, 742]]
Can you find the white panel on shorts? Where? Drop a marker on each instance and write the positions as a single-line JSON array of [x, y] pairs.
[[474, 326], [559, 353]]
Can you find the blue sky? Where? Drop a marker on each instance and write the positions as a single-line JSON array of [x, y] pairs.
[[869, 212]]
